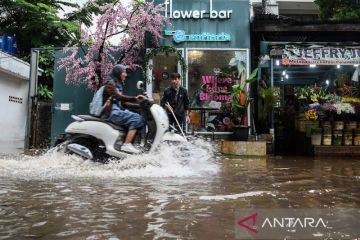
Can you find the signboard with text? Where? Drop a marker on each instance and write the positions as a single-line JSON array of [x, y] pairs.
[[294, 55], [216, 89], [180, 36], [195, 13]]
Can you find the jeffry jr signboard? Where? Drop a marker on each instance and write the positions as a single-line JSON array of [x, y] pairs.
[[321, 55], [197, 13]]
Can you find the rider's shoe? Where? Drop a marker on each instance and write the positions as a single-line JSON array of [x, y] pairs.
[[129, 148]]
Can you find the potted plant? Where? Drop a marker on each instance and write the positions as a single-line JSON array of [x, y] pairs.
[[238, 106], [269, 97]]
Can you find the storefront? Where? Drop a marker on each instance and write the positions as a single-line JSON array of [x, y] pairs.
[[214, 39], [309, 94]]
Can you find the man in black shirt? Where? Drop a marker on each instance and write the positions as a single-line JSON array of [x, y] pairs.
[[178, 100]]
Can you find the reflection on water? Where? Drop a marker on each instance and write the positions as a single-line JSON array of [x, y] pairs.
[[185, 193]]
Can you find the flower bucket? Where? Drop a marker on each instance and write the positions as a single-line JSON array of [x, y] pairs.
[[338, 125], [337, 137], [326, 124], [309, 124], [316, 137], [348, 138], [357, 137], [351, 125], [301, 125], [327, 137], [300, 117], [240, 133]]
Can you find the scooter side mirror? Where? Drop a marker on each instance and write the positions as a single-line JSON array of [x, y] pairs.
[[140, 85]]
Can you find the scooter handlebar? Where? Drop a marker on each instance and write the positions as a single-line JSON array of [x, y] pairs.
[[146, 104]]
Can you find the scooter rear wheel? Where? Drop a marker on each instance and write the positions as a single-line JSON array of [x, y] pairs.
[[96, 147]]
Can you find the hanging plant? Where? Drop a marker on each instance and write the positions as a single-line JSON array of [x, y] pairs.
[[167, 50]]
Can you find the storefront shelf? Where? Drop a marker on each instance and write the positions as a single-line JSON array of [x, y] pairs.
[[337, 151]]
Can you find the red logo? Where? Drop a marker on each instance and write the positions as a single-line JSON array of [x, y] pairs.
[[247, 227]]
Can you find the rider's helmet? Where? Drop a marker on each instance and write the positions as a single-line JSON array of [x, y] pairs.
[[115, 72]]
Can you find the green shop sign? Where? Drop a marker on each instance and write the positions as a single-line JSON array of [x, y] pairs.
[[180, 36]]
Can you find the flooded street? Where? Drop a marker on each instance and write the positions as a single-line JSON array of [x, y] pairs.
[[186, 193]]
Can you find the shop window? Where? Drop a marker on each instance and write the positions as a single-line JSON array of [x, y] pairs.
[[211, 75]]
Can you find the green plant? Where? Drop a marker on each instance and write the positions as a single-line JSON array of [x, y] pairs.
[[46, 60], [304, 92], [208, 123], [240, 100], [269, 96], [338, 9], [240, 66], [44, 92]]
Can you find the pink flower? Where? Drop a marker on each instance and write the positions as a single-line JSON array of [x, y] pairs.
[[226, 121], [129, 25]]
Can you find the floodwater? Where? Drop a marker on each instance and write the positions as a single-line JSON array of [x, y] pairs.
[[186, 192]]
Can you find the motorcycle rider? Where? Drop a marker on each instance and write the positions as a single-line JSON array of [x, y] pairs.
[[115, 107]]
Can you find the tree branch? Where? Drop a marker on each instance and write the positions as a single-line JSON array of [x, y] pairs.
[[123, 55], [101, 50], [125, 29]]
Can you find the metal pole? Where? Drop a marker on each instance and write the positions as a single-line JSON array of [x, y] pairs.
[[149, 86], [32, 92], [272, 85], [182, 132]]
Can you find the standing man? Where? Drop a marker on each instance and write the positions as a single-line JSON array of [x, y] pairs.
[[176, 99]]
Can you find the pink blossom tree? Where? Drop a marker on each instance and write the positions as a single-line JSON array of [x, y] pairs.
[[128, 24]]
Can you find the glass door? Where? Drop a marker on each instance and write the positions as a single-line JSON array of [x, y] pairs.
[[160, 69]]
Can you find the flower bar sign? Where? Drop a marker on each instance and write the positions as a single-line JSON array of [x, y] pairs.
[[195, 14], [180, 36], [294, 55]]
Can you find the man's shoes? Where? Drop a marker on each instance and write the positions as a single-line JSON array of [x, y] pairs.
[[129, 148]]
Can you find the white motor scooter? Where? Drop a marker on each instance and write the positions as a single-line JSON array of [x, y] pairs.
[[97, 139]]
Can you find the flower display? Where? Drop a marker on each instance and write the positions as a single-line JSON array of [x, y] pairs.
[[344, 108], [314, 105], [356, 107], [328, 108], [318, 104], [311, 94], [332, 98], [311, 114], [350, 100], [304, 92]]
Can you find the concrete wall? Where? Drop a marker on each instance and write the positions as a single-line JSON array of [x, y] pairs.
[[13, 112], [14, 90], [292, 7]]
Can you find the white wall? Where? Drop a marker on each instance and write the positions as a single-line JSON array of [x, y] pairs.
[[13, 115], [289, 6], [273, 7]]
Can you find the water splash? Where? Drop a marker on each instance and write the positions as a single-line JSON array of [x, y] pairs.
[[195, 158], [235, 196]]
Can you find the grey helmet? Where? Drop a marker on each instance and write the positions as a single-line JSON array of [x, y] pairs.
[[115, 72]]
